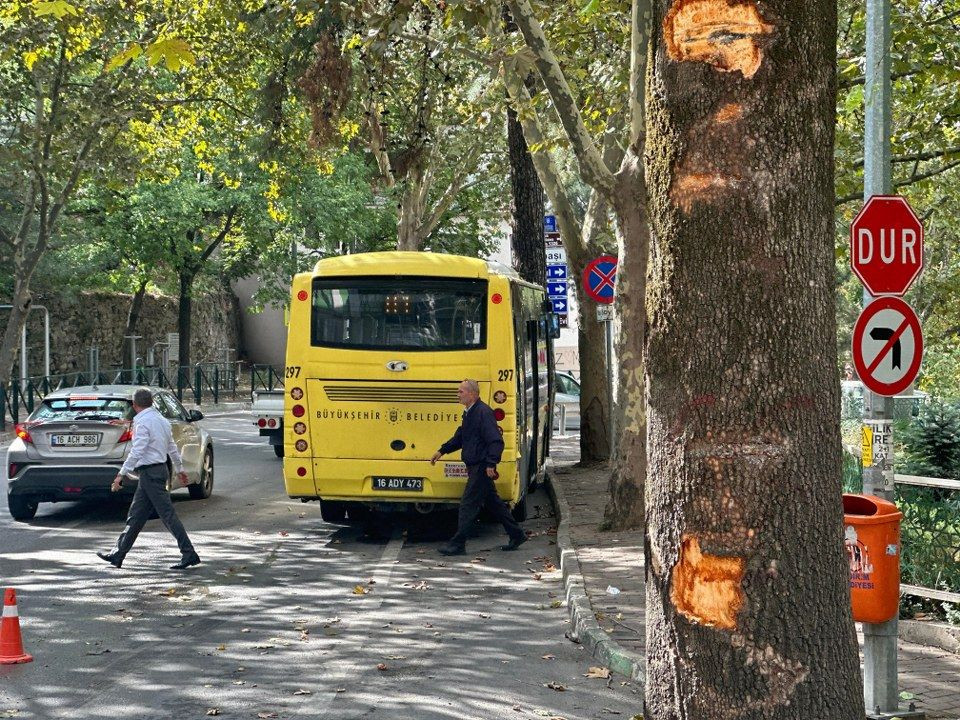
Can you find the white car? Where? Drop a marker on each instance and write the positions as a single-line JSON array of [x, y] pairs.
[[568, 395]]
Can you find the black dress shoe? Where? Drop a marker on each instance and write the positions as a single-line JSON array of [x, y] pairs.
[[514, 543], [450, 549], [186, 562], [112, 559]]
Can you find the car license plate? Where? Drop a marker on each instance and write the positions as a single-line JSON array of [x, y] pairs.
[[73, 440], [410, 484]]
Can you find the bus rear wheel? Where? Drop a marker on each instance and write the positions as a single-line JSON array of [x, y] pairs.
[[332, 511], [278, 450]]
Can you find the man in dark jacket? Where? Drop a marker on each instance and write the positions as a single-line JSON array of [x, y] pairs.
[[481, 444]]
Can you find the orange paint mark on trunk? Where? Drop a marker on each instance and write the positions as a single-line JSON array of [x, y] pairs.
[[697, 187], [727, 36], [731, 112], [707, 588]]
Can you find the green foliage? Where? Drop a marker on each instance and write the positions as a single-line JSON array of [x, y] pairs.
[[931, 443]]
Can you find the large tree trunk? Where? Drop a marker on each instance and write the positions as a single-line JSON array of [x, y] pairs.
[[133, 317], [748, 607], [529, 251], [413, 204], [21, 301], [183, 317], [624, 509]]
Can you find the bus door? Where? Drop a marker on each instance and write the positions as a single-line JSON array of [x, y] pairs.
[[535, 395]]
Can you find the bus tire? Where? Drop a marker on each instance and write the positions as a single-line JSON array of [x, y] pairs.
[[519, 510], [278, 450], [332, 511]]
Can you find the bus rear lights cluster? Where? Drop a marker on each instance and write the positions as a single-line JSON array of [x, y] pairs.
[[496, 299], [271, 423], [302, 295], [301, 471], [499, 414], [262, 422], [297, 393], [298, 410], [301, 445], [300, 428]]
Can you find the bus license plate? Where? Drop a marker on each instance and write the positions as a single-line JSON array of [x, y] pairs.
[[75, 440], [411, 484]]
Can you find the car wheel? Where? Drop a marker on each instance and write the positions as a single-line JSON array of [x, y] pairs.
[[332, 511], [278, 450], [204, 488], [22, 507]]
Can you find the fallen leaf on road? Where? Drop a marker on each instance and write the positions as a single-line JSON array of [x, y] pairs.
[[341, 690], [536, 576], [98, 652], [360, 590], [239, 682], [556, 603], [371, 581], [213, 711], [382, 666], [304, 692], [518, 708], [396, 657], [484, 616], [221, 647], [612, 711], [479, 559], [549, 567], [284, 533], [244, 630], [555, 686], [547, 657], [265, 715], [597, 672]]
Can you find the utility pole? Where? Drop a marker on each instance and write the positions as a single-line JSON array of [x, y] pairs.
[[880, 688]]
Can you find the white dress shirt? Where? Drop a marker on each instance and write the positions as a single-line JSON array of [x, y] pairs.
[[152, 442]]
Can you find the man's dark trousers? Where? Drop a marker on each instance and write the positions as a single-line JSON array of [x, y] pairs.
[[478, 494], [152, 494]]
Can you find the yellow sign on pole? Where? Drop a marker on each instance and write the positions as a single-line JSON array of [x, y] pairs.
[[866, 446]]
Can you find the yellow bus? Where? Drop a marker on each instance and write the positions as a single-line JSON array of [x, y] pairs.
[[376, 346]]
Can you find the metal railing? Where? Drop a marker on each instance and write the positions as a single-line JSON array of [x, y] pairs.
[[18, 398], [266, 377]]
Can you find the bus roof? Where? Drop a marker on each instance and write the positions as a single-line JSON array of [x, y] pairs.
[[412, 263]]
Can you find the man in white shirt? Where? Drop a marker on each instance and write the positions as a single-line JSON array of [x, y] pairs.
[[152, 443]]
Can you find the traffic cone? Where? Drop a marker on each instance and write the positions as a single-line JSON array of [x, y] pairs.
[[11, 644]]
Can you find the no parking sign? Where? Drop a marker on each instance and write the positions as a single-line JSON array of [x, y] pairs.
[[599, 277]]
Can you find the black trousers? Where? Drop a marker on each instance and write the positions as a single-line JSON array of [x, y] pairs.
[[480, 493], [152, 494]]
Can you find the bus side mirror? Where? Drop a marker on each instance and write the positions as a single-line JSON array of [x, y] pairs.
[[553, 321]]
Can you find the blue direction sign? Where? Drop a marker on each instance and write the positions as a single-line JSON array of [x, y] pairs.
[[550, 223], [556, 272], [559, 305], [557, 289]]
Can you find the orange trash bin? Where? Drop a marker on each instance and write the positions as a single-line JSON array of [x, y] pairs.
[[871, 534]]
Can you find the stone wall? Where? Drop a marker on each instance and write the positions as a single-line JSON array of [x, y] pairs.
[[80, 321]]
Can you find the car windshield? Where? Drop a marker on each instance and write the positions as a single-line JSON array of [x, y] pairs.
[[83, 409], [399, 313]]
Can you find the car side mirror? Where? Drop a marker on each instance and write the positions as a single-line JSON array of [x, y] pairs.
[[195, 415]]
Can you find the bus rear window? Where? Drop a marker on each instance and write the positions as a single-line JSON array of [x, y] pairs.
[[399, 313]]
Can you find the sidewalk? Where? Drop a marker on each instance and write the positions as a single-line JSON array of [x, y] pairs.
[[592, 561]]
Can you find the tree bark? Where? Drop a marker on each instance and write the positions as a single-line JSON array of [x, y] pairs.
[[21, 302], [133, 317], [529, 251], [625, 507], [184, 309], [412, 206], [748, 606]]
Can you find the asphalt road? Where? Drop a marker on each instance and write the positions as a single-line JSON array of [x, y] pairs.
[[288, 616]]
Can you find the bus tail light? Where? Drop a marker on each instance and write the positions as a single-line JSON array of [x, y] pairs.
[[298, 410], [271, 423], [21, 432], [302, 295], [262, 422], [300, 428], [301, 445], [499, 414], [296, 393], [301, 471]]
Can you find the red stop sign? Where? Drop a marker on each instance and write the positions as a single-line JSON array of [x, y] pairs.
[[886, 245]]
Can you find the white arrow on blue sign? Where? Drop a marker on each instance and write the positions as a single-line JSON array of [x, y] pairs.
[[557, 289], [556, 272], [559, 305]]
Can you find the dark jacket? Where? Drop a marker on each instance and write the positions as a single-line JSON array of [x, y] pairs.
[[478, 437]]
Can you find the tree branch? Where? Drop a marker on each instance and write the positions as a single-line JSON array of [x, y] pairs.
[[862, 79], [914, 178], [594, 172], [467, 164], [208, 251], [378, 144], [641, 18]]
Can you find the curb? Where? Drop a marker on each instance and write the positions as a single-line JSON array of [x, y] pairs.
[[584, 627], [932, 634]]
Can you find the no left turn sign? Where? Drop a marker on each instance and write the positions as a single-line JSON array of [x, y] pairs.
[[887, 346]]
